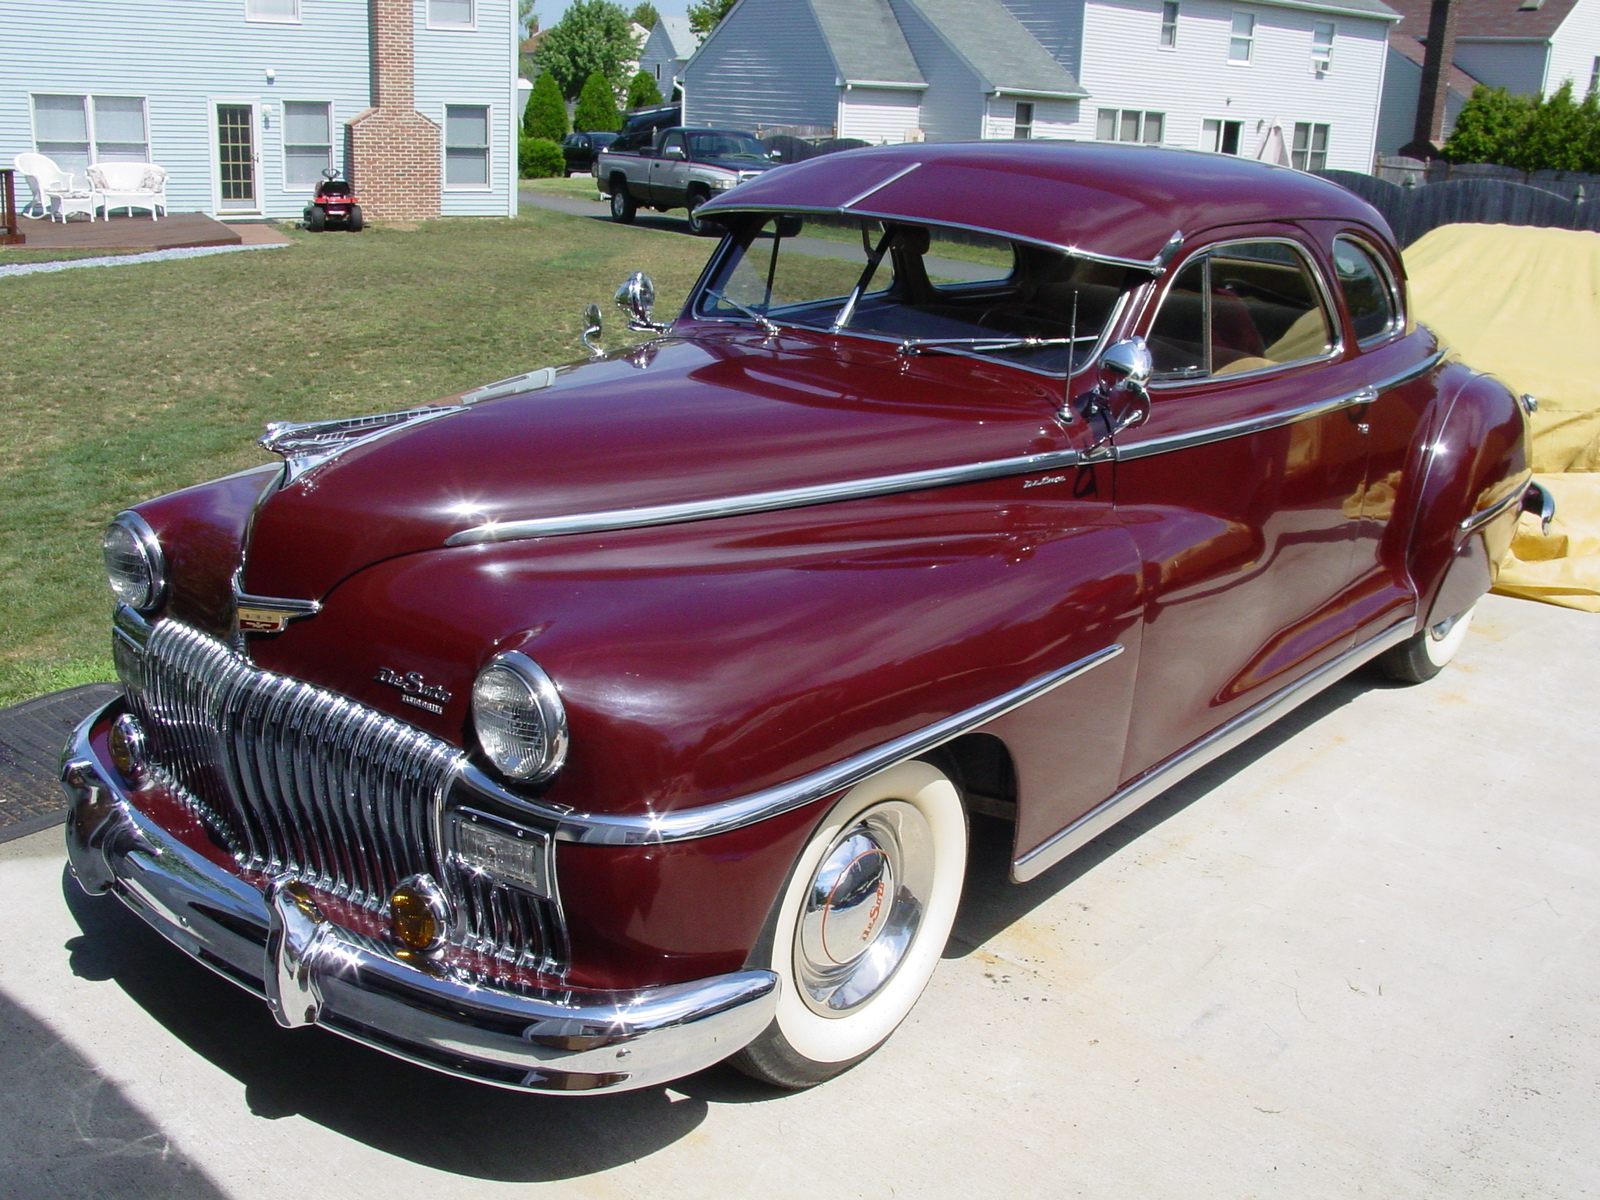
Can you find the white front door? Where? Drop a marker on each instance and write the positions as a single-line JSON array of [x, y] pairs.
[[238, 156]]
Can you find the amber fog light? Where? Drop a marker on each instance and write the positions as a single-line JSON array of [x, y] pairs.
[[129, 753], [419, 915]]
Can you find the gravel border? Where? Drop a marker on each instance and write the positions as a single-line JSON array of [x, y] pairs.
[[117, 260]]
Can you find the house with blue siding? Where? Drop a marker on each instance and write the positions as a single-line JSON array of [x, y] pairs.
[[1296, 81], [666, 50], [246, 102]]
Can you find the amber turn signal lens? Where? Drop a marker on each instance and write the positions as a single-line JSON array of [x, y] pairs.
[[128, 752], [418, 915]]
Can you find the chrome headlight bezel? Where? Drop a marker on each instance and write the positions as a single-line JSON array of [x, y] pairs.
[[128, 541], [512, 677]]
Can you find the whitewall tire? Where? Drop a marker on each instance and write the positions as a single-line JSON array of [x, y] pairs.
[[861, 924], [1425, 654]]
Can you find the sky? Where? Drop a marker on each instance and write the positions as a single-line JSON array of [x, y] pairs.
[[550, 10]]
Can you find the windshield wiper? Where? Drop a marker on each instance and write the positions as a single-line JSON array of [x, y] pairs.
[[760, 320], [917, 345]]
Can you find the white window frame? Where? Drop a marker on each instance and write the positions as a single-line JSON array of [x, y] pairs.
[[1304, 153], [470, 25], [1322, 48], [1168, 39], [284, 185], [259, 19], [1018, 124], [1141, 123], [87, 99], [1212, 130], [1235, 37], [488, 152]]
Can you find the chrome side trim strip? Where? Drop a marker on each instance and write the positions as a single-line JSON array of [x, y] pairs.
[[1219, 741], [1479, 519], [1410, 373], [785, 797], [878, 187], [1219, 433], [756, 502]]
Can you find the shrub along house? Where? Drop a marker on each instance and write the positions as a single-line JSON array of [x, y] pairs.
[[246, 102], [1291, 79]]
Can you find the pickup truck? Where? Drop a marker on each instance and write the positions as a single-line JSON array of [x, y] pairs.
[[677, 168]]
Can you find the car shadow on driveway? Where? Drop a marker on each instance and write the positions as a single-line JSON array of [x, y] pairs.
[[992, 903], [411, 1112]]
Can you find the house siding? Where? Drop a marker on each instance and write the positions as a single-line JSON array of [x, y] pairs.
[[1574, 48], [185, 56], [473, 67], [770, 66], [1125, 67], [879, 114], [1053, 120], [953, 107], [659, 59], [1057, 25], [1516, 66]]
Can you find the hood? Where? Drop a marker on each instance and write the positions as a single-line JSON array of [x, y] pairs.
[[680, 420], [746, 165]]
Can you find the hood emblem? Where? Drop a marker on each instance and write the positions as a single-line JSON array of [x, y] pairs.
[[414, 689], [268, 614]]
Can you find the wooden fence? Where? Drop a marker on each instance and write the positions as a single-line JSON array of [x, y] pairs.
[[10, 231], [1413, 211]]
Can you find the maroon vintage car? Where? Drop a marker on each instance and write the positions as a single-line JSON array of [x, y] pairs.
[[605, 722]]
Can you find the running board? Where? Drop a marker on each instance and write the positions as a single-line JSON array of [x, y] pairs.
[[1186, 762]]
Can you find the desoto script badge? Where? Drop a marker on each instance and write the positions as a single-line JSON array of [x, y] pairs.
[[414, 689]]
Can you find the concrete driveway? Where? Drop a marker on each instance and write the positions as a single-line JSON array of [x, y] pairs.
[[1356, 957]]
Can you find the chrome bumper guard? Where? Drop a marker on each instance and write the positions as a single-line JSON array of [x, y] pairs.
[[310, 971]]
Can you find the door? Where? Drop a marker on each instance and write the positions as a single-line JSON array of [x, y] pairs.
[[237, 186], [1243, 491], [669, 172]]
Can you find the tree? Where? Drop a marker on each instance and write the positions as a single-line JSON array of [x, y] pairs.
[[645, 14], [706, 15], [597, 106], [1552, 139], [527, 19], [547, 112], [1488, 127], [642, 91], [592, 37]]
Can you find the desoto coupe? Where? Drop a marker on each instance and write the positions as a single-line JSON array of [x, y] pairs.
[[591, 727]]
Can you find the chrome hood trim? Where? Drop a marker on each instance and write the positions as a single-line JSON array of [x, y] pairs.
[[758, 502]]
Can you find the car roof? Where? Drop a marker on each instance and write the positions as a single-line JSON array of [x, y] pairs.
[[1133, 205]]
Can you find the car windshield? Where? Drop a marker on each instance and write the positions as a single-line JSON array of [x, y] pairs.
[[933, 290], [726, 145]]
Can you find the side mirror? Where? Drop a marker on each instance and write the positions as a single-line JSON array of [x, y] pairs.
[[592, 324], [1125, 369], [636, 297]]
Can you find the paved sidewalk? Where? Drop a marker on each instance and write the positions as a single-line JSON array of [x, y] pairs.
[[1359, 956]]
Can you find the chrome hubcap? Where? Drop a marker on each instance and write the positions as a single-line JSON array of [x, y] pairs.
[[863, 908]]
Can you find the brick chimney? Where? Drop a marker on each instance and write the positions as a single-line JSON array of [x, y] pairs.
[[1433, 94], [395, 153]]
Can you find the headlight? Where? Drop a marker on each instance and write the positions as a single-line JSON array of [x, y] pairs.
[[519, 717], [135, 565]]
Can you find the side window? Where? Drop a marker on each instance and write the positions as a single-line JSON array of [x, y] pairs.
[[1245, 306], [673, 146], [1366, 290]]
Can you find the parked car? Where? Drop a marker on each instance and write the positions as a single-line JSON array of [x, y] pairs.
[[581, 150], [677, 168], [599, 724]]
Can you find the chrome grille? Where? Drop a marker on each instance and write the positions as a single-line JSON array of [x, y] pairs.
[[299, 780]]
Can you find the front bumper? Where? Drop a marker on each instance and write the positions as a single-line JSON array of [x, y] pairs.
[[311, 971]]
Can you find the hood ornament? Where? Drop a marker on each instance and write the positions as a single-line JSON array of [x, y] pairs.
[[307, 446]]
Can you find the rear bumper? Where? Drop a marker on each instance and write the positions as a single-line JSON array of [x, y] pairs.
[[313, 972]]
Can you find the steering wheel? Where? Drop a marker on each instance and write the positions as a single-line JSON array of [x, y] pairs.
[[330, 173]]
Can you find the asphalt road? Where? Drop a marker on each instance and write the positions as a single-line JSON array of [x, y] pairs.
[[1359, 956]]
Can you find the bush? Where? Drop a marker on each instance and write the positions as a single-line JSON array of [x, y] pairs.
[[597, 107], [547, 111], [642, 91], [1545, 133], [540, 158]]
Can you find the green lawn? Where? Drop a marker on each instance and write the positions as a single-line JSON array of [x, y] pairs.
[[122, 383], [581, 187]]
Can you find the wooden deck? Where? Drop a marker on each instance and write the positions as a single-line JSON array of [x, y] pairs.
[[138, 232]]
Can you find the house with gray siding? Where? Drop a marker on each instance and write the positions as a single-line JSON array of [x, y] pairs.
[[246, 102], [1297, 81], [666, 50]]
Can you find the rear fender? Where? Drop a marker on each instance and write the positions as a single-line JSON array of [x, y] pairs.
[[1474, 470]]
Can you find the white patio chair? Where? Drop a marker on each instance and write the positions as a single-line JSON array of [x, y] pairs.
[[130, 185], [55, 192]]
